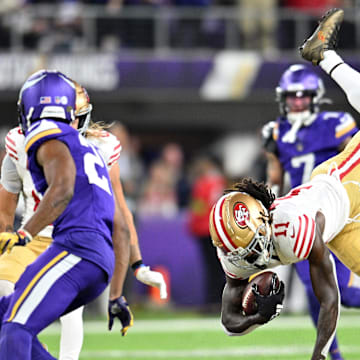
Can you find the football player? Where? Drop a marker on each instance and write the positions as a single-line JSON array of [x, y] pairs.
[[301, 138], [78, 200], [254, 231], [17, 179]]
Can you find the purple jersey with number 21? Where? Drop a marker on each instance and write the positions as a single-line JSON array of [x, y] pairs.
[[85, 227]]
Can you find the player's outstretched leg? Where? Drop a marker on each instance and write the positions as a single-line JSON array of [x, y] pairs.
[[320, 48], [325, 37]]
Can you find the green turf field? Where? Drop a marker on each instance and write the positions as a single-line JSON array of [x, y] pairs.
[[288, 337]]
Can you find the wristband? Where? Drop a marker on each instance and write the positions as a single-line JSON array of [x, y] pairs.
[[331, 71], [136, 265], [25, 233]]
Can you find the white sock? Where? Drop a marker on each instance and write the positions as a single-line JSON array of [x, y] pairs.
[[72, 335], [331, 59], [344, 75]]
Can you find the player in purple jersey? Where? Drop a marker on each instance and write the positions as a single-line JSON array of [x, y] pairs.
[[301, 138], [78, 201]]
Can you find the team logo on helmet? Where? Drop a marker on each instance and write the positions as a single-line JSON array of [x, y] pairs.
[[241, 214]]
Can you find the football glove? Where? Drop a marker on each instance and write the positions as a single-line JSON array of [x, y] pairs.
[[270, 306], [119, 308], [10, 239], [152, 278]]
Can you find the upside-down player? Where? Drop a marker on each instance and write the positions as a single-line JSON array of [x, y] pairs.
[[301, 138], [88, 226], [16, 179], [253, 231]]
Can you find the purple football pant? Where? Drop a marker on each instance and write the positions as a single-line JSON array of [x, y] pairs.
[[350, 296], [56, 283]]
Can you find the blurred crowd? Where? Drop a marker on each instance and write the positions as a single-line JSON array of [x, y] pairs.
[[109, 25]]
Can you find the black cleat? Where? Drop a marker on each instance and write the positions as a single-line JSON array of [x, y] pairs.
[[325, 37]]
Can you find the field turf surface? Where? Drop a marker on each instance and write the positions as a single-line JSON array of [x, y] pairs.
[[192, 338]]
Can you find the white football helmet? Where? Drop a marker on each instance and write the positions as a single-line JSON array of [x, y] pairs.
[[239, 226]]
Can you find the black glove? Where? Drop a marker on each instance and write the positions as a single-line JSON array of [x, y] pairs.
[[270, 306], [119, 308]]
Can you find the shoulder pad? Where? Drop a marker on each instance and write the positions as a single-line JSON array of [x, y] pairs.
[[14, 143], [108, 145], [346, 125], [40, 130]]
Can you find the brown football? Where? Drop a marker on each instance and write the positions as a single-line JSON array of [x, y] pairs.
[[263, 281]]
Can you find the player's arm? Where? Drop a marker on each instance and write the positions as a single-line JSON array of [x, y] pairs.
[[8, 203], [323, 278], [10, 188], [135, 254], [274, 173], [142, 272], [274, 169], [344, 143], [232, 317], [60, 172], [121, 243], [118, 307]]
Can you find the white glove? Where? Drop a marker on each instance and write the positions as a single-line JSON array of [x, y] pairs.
[[152, 278]]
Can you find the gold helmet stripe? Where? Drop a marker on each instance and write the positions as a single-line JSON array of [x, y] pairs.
[[220, 226]]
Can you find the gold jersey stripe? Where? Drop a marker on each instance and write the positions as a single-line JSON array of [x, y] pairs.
[[33, 282], [345, 130], [40, 135]]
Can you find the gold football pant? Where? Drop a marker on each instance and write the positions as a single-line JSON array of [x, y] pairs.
[[346, 245], [13, 264]]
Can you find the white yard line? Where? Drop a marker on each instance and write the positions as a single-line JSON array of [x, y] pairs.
[[241, 352], [208, 324]]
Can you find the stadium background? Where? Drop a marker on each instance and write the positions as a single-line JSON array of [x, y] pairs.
[[200, 74]]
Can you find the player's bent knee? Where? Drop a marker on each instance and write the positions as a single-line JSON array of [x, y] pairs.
[[75, 315], [6, 287]]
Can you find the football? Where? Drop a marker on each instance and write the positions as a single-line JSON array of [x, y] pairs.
[[263, 281]]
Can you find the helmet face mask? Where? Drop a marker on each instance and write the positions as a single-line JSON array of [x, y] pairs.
[[257, 254], [239, 226]]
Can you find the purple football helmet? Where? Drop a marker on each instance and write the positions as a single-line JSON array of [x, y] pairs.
[[46, 94], [298, 80]]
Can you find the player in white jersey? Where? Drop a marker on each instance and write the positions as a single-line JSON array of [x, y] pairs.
[[254, 231], [16, 179]]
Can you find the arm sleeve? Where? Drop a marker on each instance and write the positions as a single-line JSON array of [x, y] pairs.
[[10, 178]]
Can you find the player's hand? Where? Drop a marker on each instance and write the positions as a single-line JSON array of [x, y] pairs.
[[10, 239], [270, 306], [152, 278], [119, 308]]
